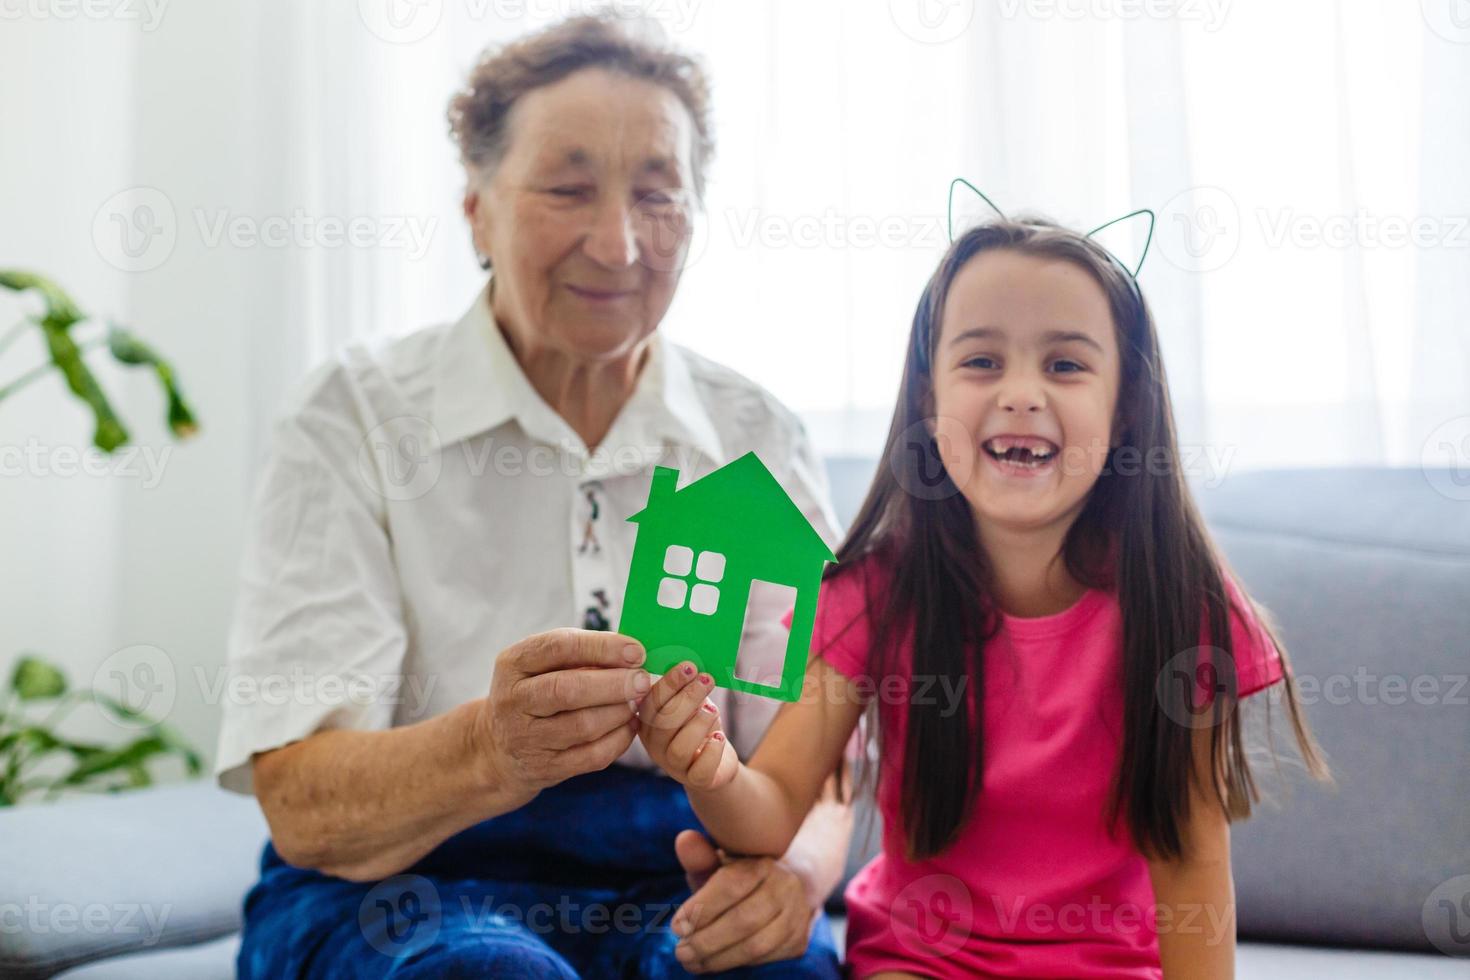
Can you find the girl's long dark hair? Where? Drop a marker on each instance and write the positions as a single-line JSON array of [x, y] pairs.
[[1138, 533]]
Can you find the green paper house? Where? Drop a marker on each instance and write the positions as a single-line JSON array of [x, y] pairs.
[[699, 553]]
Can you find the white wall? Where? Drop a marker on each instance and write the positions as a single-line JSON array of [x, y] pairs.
[[138, 556], [207, 112], [62, 152]]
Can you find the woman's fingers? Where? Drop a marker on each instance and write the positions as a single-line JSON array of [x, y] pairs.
[[583, 725], [598, 754], [556, 691]]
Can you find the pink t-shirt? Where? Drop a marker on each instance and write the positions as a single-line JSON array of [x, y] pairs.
[[1036, 885]]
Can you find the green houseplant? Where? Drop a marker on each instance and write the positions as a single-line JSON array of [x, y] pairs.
[[37, 697], [37, 688]]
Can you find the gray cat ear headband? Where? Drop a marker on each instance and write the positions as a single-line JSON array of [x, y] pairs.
[[960, 182]]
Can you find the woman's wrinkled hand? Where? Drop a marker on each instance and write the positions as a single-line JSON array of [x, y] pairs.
[[561, 703]]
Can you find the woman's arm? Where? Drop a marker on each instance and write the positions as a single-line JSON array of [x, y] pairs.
[[753, 809], [364, 805], [1195, 895]]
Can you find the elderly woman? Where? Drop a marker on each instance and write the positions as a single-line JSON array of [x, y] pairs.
[[449, 512]]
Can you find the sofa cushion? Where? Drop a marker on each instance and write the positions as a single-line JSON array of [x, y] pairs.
[[1274, 961], [213, 960], [91, 878], [1367, 573]]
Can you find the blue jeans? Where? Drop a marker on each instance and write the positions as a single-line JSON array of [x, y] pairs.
[[582, 881]]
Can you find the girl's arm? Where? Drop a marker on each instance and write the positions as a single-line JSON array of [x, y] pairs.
[[1195, 895], [753, 809]]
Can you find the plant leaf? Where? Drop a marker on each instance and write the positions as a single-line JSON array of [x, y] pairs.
[[110, 760], [67, 356], [43, 741], [128, 348], [60, 309], [34, 679], [119, 709], [61, 315], [173, 741]]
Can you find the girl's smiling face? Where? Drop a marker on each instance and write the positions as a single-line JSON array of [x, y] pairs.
[[1025, 375]]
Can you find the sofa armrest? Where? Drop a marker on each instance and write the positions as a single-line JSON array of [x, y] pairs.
[[88, 878]]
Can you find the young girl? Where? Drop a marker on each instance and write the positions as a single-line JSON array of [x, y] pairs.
[[1032, 545]]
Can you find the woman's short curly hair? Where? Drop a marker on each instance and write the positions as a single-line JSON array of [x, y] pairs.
[[631, 46]]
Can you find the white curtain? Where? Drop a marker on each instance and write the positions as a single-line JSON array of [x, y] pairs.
[[1306, 161], [1310, 272]]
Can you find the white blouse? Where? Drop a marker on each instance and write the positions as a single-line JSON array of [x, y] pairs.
[[422, 508]]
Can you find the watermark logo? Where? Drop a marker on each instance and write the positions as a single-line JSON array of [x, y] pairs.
[[1446, 916], [147, 13], [1369, 688], [1449, 19], [672, 233], [834, 229], [141, 681], [412, 234], [929, 453], [1445, 458], [932, 916], [400, 458], [932, 21], [297, 685], [401, 21], [136, 229], [35, 917], [1210, 13], [42, 461], [400, 915], [1193, 683], [1199, 229], [1362, 229], [410, 21]]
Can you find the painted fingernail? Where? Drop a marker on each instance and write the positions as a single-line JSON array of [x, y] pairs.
[[642, 682], [633, 653], [688, 670], [707, 707], [718, 736], [706, 680]]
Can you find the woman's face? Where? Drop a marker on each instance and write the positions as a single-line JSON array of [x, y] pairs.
[[1025, 386], [586, 220]]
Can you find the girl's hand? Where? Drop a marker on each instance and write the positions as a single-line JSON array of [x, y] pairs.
[[680, 728]]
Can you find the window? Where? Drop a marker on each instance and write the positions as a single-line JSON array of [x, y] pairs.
[[708, 571]]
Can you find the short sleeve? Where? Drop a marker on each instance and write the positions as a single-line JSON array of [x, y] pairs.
[[1257, 661], [840, 632], [318, 631], [839, 636]]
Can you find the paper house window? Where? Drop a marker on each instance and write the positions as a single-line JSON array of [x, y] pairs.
[[675, 587]]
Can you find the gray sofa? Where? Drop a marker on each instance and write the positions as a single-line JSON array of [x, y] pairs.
[[1368, 573]]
